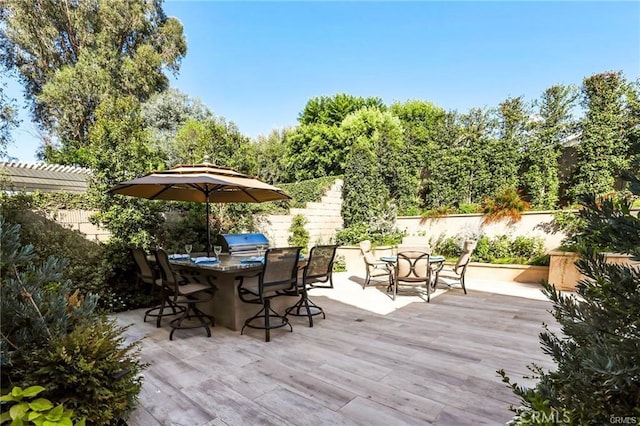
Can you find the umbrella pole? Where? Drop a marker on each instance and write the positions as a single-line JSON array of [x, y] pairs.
[[208, 230]]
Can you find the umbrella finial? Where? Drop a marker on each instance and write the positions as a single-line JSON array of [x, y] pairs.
[[206, 159]]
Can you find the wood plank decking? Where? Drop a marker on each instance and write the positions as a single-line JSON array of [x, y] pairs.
[[406, 362]]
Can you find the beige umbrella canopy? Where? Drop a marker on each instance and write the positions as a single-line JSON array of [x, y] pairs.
[[204, 183]]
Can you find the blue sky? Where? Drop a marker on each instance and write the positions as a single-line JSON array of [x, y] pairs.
[[258, 63]]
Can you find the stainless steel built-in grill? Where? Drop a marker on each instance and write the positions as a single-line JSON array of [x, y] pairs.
[[242, 243]]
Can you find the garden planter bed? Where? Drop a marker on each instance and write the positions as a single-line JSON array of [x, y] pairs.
[[507, 272], [564, 274]]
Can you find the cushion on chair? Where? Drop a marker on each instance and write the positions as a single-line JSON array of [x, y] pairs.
[[365, 246], [465, 256]]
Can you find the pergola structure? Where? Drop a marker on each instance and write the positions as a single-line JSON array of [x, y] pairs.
[[31, 177]]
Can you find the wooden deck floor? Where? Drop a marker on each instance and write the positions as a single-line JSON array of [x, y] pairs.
[[386, 363]]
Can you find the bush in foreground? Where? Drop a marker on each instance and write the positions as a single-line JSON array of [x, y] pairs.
[[52, 336], [597, 379]]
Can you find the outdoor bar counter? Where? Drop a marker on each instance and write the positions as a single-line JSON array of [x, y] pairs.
[[226, 307]]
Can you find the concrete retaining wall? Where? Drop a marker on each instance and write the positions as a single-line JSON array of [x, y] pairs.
[[323, 219]]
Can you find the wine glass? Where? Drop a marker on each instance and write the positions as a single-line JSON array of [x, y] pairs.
[[217, 250], [188, 248]]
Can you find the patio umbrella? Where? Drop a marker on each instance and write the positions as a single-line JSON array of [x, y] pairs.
[[203, 183]]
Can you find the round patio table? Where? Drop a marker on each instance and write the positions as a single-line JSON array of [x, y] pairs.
[[436, 262]]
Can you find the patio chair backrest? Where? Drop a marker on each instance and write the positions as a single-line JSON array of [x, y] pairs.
[[320, 263], [412, 266], [280, 271], [144, 271], [415, 243], [365, 248], [465, 257], [166, 272]]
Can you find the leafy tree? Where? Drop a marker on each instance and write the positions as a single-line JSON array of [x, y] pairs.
[[374, 177], [192, 142], [384, 133], [513, 117], [217, 139], [71, 56], [598, 354], [603, 150], [478, 142], [444, 176], [316, 151], [540, 167], [8, 119], [272, 156], [331, 110], [119, 152], [166, 112], [364, 193], [421, 122], [316, 147]]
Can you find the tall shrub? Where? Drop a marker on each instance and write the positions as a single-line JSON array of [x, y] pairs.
[[540, 173], [603, 150], [513, 118], [363, 191], [299, 235]]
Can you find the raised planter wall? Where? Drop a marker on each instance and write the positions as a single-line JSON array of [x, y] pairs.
[[518, 273], [564, 274]]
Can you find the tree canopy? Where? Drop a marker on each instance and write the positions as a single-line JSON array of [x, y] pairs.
[[71, 56], [8, 120]]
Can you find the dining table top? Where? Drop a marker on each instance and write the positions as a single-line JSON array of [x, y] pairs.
[[432, 259], [224, 263]]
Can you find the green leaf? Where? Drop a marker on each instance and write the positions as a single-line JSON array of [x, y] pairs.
[[40, 404], [5, 417], [18, 411], [16, 391], [56, 413], [17, 422], [81, 422], [32, 391], [34, 415], [8, 397]]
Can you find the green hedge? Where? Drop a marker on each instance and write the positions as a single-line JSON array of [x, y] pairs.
[[502, 249]]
